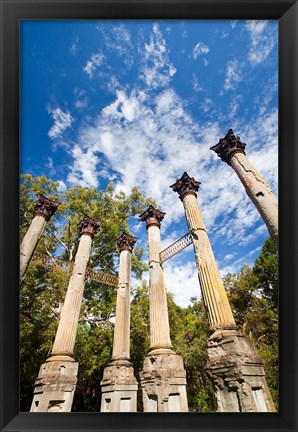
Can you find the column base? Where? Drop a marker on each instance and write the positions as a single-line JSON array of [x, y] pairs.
[[237, 373], [163, 382], [119, 388], [55, 386]]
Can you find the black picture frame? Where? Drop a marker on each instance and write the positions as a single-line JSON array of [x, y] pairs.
[[286, 11]]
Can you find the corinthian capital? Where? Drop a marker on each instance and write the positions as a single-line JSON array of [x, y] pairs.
[[126, 242], [88, 226], [45, 207], [186, 186], [228, 146], [152, 216]]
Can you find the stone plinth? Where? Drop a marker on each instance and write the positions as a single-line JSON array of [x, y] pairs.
[[231, 150], [237, 373], [55, 386], [163, 382], [119, 388]]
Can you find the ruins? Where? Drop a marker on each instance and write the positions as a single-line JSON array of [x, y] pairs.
[[233, 365], [119, 385], [56, 382], [163, 379], [43, 211], [232, 151]]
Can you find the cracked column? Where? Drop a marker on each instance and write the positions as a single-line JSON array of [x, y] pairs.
[[43, 211], [57, 378], [163, 379], [119, 385], [233, 364], [231, 150]]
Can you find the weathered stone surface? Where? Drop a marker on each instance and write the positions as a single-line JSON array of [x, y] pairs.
[[69, 318], [58, 369], [237, 373], [231, 150], [29, 243], [213, 292], [55, 386], [259, 192], [163, 382], [119, 388]]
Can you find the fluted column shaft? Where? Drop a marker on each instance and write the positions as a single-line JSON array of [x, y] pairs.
[[121, 349], [67, 329], [214, 295], [29, 243], [159, 319], [258, 191]]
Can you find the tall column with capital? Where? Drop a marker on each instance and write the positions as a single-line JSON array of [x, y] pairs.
[[233, 364], [232, 151], [214, 295], [119, 385], [163, 378], [43, 211], [56, 381]]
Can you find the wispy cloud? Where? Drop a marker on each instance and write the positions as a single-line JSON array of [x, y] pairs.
[[74, 47], [92, 64], [156, 70], [233, 75], [62, 121], [200, 49], [262, 41]]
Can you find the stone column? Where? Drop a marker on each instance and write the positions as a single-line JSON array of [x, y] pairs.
[[233, 364], [44, 210], [163, 378], [214, 295], [119, 386], [231, 150], [56, 381]]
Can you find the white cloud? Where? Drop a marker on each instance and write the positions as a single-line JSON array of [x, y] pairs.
[[119, 41], [62, 121], [95, 62], [156, 70], [195, 83], [182, 281], [233, 75], [262, 41], [61, 186], [74, 47], [200, 49]]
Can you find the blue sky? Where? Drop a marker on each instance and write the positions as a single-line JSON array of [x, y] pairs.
[[138, 103]]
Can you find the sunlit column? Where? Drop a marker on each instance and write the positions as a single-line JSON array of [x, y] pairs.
[[121, 342], [159, 320], [55, 384], [69, 318], [44, 210], [231, 150], [214, 295]]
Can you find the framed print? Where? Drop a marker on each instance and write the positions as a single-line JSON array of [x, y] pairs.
[[111, 111]]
